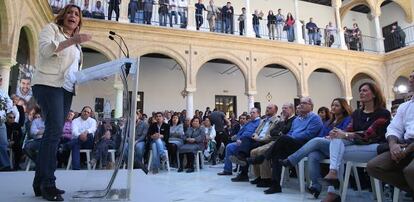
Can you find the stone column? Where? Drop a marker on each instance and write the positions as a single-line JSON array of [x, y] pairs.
[[339, 28], [119, 100], [191, 23], [298, 25], [248, 23], [5, 66], [190, 104], [250, 101], [380, 38], [155, 16], [123, 13]]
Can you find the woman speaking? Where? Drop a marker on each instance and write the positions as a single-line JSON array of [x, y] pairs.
[[60, 56]]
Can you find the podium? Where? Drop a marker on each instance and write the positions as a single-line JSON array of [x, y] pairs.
[[123, 67]]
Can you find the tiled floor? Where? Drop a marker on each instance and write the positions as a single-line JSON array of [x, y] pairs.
[[205, 186]]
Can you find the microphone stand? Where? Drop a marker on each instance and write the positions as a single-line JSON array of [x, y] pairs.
[[127, 65]]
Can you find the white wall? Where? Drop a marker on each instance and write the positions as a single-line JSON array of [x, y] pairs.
[[282, 88], [323, 88], [391, 13]]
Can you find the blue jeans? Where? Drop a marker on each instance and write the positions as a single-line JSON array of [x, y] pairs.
[[256, 30], [227, 25], [290, 34], [183, 19], [171, 14], [76, 145], [312, 38], [54, 112], [316, 150], [231, 149], [4, 157], [163, 19], [139, 151], [147, 17], [158, 150]]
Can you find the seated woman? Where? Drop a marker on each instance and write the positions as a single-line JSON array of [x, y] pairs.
[[66, 137], [318, 148], [37, 128], [176, 137], [210, 132], [194, 141], [360, 140], [104, 140]]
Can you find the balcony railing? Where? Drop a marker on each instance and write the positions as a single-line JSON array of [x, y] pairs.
[[368, 43]]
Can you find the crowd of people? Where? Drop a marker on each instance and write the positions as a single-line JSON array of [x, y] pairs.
[[222, 18]]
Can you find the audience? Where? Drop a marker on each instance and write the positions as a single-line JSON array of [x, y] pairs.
[[176, 139], [210, 134], [212, 13], [228, 13], [113, 7], [98, 11], [256, 22], [163, 11], [199, 8], [290, 21], [312, 31], [105, 139], [15, 137], [271, 24]]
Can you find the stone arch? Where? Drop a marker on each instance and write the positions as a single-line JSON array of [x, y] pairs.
[[280, 61], [6, 22], [105, 50], [376, 77], [221, 55], [405, 5], [403, 69], [32, 39], [335, 69], [165, 51], [347, 7]]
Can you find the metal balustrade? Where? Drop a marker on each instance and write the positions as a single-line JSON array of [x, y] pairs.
[[369, 43]]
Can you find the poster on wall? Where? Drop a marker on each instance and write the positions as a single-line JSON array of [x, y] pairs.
[[24, 89]]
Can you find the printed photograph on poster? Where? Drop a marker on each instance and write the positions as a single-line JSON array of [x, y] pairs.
[[24, 89]]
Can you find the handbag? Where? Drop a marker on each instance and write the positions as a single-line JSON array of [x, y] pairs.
[[285, 27]]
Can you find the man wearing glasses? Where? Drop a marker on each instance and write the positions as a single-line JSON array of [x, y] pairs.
[[15, 138]]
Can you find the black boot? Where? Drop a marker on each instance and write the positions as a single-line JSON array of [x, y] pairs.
[[51, 194], [275, 188], [181, 159], [190, 162]]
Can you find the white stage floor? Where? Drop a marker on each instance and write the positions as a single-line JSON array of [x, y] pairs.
[[205, 186]]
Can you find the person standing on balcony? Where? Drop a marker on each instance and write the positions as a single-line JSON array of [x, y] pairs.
[[330, 32], [98, 11], [242, 21], [133, 8], [357, 36], [113, 6], [312, 29], [163, 12], [199, 7], [290, 21], [398, 36], [148, 5], [256, 22], [86, 11], [173, 12], [212, 12], [280, 20], [228, 13], [271, 24], [182, 12]]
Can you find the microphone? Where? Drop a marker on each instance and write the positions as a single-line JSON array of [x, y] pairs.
[[122, 39], [119, 45], [127, 65]]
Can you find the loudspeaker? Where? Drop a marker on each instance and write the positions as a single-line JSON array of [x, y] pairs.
[[257, 105]]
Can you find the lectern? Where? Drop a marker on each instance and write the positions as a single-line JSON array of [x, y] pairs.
[[123, 67]]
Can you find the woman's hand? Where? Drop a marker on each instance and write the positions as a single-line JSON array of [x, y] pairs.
[[81, 38], [396, 152]]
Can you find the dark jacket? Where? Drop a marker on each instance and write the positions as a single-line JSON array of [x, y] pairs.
[[227, 12], [164, 130]]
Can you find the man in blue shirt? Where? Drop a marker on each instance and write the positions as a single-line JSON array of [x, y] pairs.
[[305, 127], [246, 131], [312, 31]]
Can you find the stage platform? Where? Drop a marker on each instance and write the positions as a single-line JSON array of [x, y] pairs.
[[205, 186]]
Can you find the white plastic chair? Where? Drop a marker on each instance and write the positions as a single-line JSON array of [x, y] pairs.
[[112, 152], [88, 158], [167, 161]]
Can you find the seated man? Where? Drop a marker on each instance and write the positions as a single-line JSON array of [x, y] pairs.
[[246, 131], [86, 10], [263, 171], [98, 11], [158, 134], [305, 127], [259, 138], [396, 166], [141, 130], [235, 128], [83, 130], [105, 139]]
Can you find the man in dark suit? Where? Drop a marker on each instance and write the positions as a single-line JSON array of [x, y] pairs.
[[113, 6], [158, 134]]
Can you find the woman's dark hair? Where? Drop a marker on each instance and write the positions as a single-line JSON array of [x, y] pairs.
[[346, 110], [289, 16], [61, 15], [170, 121], [327, 113], [379, 100], [192, 120]]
